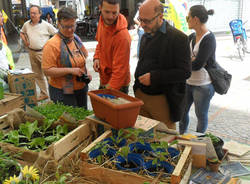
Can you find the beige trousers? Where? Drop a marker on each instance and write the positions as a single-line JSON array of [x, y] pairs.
[[36, 62], [155, 107]]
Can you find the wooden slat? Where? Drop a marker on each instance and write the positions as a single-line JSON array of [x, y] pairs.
[[70, 141], [3, 125], [84, 153], [104, 175], [176, 175], [94, 119], [186, 176], [10, 102]]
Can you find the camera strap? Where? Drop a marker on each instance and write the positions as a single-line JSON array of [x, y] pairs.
[[66, 40]]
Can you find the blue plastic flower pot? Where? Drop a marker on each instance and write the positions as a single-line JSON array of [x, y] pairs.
[[153, 169], [134, 162], [173, 152], [96, 152], [110, 141], [140, 148]]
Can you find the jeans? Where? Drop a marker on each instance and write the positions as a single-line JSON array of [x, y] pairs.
[[200, 96], [140, 32], [78, 99]]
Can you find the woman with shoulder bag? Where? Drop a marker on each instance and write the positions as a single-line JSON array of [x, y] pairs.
[[64, 62], [199, 86]]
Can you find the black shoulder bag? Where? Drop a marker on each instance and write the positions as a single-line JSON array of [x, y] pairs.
[[220, 78]]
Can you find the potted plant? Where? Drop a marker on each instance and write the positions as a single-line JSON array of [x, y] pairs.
[[217, 143], [214, 164], [128, 161], [102, 152]]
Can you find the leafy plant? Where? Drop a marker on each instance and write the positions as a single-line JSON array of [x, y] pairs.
[[124, 151], [12, 137], [102, 148], [60, 178], [159, 154], [53, 111], [30, 136], [213, 138], [28, 129], [8, 166]]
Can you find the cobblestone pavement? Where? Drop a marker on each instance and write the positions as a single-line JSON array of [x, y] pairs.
[[229, 115]]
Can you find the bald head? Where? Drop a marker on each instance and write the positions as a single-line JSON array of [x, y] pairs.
[[152, 6], [151, 15]]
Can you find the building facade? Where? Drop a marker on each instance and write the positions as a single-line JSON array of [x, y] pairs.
[[225, 11]]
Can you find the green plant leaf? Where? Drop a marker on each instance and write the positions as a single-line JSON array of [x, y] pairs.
[[13, 137], [154, 162], [124, 151], [99, 159], [28, 129], [173, 143], [38, 142]]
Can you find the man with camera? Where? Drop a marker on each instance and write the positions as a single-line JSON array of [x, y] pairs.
[[64, 62]]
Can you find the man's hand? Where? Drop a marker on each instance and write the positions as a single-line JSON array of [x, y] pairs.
[[96, 65], [25, 39], [77, 71], [145, 79]]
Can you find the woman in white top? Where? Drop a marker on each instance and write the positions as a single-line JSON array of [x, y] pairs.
[[199, 87]]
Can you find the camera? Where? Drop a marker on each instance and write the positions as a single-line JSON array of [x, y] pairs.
[[83, 78]]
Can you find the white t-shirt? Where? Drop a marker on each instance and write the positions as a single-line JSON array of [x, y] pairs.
[[198, 77], [4, 63], [38, 34], [136, 18]]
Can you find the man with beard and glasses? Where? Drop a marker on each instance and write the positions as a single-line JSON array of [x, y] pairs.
[[112, 53], [163, 66]]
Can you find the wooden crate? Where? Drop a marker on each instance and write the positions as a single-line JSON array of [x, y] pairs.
[[10, 102], [57, 150], [180, 174]]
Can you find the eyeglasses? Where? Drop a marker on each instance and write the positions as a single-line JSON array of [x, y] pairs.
[[147, 21], [33, 13], [68, 27]]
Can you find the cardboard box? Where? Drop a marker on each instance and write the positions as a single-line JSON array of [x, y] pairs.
[[10, 102], [24, 84]]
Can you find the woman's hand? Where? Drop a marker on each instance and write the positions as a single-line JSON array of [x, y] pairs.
[[77, 71]]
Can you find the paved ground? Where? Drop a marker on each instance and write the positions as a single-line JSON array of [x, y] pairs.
[[229, 115]]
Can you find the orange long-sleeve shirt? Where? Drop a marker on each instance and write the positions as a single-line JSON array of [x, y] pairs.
[[113, 51]]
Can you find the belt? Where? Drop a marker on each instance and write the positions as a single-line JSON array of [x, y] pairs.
[[36, 50]]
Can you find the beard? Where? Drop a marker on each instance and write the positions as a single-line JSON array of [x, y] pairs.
[[109, 22]]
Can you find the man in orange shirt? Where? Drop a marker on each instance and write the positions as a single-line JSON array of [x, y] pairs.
[[112, 53], [63, 61]]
